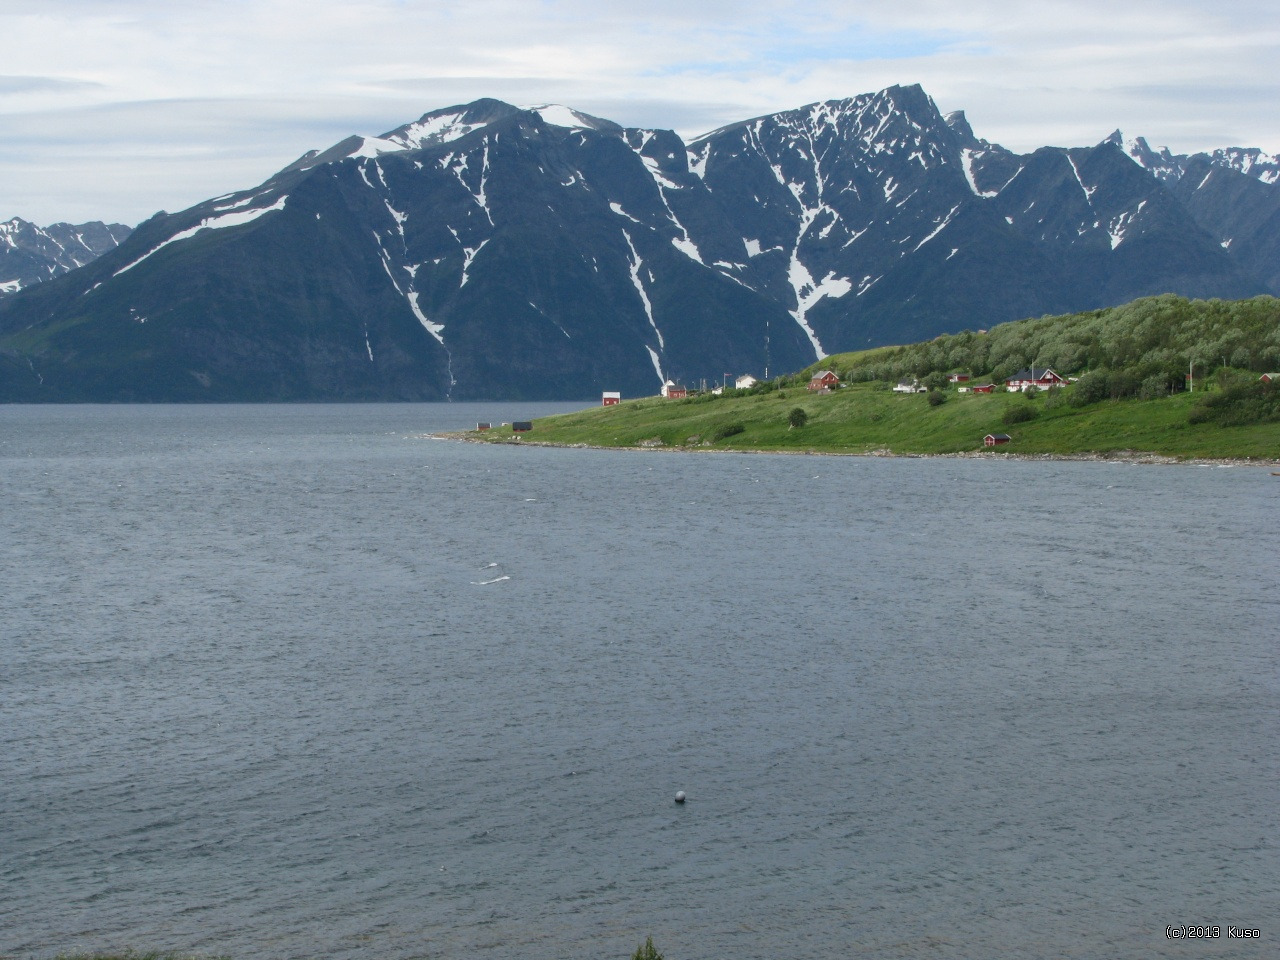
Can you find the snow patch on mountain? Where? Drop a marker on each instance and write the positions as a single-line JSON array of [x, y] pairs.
[[634, 264], [684, 243], [234, 219], [657, 364], [435, 329], [558, 115], [617, 208], [371, 148], [1119, 226], [938, 229], [698, 160], [808, 293], [1088, 191], [686, 246], [469, 254], [432, 131]]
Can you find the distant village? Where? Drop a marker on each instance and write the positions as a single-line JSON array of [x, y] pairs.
[[825, 381]]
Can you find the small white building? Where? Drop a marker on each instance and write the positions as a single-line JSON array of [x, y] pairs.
[[910, 386], [745, 381]]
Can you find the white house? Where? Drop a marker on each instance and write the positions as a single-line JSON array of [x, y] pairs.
[[1024, 380], [910, 386], [745, 381]]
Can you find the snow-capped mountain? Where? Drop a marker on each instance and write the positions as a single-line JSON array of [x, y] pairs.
[[490, 251], [30, 254]]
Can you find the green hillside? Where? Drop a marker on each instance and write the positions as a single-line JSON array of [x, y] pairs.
[[1130, 396]]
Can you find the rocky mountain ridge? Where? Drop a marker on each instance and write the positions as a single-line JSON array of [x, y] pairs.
[[487, 251], [30, 254]]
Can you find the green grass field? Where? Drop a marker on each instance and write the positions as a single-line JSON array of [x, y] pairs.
[[859, 419]]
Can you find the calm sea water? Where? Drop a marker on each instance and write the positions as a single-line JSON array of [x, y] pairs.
[[284, 682]]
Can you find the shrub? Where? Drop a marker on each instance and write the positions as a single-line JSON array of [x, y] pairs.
[[1228, 378], [646, 951], [1123, 383], [1248, 403], [936, 398], [1091, 387], [1019, 413], [1154, 386], [797, 417], [1054, 397], [727, 430]]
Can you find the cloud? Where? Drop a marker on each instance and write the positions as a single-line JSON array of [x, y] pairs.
[[195, 94], [10, 85]]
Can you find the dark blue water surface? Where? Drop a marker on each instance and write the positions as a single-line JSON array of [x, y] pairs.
[[283, 682]]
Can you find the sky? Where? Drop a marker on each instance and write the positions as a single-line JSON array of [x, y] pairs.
[[115, 109]]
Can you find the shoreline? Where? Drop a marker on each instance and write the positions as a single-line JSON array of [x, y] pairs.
[[1132, 457]]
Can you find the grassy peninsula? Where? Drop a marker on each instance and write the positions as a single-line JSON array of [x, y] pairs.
[[1129, 394]]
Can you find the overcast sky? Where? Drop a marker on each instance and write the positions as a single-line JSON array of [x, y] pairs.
[[114, 109]]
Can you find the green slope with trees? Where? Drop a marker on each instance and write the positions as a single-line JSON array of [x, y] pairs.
[[1130, 393]]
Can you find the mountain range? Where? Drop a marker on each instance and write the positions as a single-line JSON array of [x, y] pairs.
[[487, 251], [30, 254]]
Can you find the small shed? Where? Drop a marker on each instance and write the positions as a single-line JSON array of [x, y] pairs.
[[995, 439], [484, 426], [984, 388], [521, 426], [1270, 378], [610, 398]]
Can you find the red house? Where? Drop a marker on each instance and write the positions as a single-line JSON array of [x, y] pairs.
[[1024, 380], [958, 378], [995, 439], [984, 388], [824, 380], [673, 391], [610, 398], [1270, 378]]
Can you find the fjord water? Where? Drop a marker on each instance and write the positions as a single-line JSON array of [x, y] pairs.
[[284, 682]]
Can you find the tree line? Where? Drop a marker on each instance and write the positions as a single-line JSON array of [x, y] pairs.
[[1143, 348]]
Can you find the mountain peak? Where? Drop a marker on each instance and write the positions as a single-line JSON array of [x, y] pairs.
[[558, 115], [959, 124]]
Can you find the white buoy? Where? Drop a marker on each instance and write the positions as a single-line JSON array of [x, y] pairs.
[[679, 796]]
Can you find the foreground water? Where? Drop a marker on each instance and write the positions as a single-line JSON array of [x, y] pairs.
[[284, 682]]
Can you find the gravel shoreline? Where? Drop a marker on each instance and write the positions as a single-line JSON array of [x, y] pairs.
[[1135, 457]]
